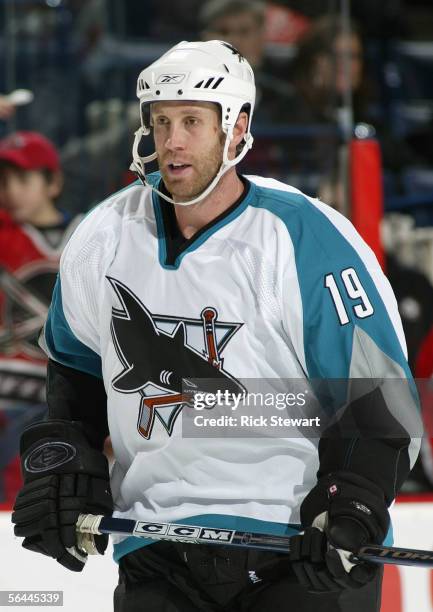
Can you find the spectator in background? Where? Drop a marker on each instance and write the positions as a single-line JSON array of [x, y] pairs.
[[33, 232], [321, 77], [239, 22], [242, 24], [318, 82], [319, 73]]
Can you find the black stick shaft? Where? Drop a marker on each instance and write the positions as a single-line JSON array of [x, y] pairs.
[[194, 534]]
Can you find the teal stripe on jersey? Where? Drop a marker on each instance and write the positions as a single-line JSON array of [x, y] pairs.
[[321, 249], [389, 539], [219, 521], [63, 345]]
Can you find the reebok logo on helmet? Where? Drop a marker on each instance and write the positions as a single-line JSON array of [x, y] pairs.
[[170, 78]]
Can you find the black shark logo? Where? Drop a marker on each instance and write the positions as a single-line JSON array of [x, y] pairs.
[[160, 365]]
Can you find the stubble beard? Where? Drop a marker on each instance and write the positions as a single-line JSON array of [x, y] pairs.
[[204, 170]]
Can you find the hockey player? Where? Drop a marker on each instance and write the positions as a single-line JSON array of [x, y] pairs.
[[195, 272]]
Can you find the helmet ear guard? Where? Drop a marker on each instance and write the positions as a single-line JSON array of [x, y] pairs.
[[217, 73], [138, 162]]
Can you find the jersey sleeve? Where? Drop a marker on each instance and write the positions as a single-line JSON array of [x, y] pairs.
[[61, 339], [352, 347], [71, 335]]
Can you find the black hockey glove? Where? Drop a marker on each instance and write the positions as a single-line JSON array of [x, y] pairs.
[[63, 477], [340, 514]]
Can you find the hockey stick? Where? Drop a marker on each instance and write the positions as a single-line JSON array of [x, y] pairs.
[[192, 534]]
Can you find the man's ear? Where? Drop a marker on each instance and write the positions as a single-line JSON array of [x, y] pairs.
[[239, 131], [55, 184]]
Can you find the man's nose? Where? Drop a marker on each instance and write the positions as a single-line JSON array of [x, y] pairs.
[[175, 138]]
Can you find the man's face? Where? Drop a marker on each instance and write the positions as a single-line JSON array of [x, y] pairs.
[[189, 144], [24, 193]]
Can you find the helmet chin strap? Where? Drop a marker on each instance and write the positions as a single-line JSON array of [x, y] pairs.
[[138, 165]]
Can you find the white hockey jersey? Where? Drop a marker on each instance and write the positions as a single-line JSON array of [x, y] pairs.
[[280, 286]]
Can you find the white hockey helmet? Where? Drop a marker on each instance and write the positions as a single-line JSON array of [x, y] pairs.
[[211, 71]]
